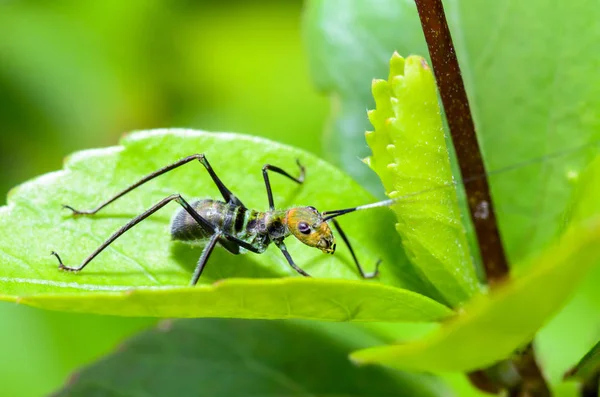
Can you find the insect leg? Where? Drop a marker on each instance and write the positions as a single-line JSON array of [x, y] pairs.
[[174, 197], [358, 266], [227, 195], [241, 243], [287, 255], [204, 257], [269, 167]]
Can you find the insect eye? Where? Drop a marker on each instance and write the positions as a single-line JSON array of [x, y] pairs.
[[304, 228]]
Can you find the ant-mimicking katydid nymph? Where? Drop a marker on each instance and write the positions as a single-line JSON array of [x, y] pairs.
[[235, 227]]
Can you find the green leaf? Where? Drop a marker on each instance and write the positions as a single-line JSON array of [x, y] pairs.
[[338, 34], [492, 326], [201, 357], [571, 333], [410, 156], [584, 201], [34, 223], [588, 366], [577, 327], [529, 99], [333, 300]]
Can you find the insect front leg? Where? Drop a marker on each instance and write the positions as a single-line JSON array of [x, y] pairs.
[[225, 192], [174, 197], [269, 167], [358, 266], [287, 255]]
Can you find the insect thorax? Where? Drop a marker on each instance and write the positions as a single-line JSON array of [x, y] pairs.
[[254, 227]]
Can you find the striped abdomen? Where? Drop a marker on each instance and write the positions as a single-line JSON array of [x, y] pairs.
[[235, 220]]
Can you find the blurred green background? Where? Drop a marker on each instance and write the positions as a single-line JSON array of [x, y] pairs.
[[77, 74]]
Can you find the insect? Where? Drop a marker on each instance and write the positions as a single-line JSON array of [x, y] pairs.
[[233, 226], [238, 229]]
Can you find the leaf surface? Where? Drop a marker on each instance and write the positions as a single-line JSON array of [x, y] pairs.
[[412, 160], [588, 366], [201, 357], [529, 99], [493, 326], [349, 44], [143, 273]]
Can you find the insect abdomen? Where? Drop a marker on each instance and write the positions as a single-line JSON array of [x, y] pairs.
[[185, 228], [228, 218]]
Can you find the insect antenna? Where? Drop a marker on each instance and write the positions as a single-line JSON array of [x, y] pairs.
[[327, 215]]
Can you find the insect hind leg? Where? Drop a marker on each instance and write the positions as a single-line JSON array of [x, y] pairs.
[[225, 192], [174, 197]]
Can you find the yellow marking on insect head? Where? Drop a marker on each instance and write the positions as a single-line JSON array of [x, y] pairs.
[[307, 225]]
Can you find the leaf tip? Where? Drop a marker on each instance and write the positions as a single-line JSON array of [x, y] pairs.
[[397, 64], [356, 359], [380, 89]]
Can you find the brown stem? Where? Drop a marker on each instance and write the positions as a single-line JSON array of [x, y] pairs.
[[591, 387], [481, 380], [533, 383], [462, 130]]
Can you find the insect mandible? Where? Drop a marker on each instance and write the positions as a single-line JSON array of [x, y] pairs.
[[233, 226]]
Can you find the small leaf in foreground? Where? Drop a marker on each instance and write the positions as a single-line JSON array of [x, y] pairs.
[[493, 326], [202, 357], [410, 156], [34, 223]]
